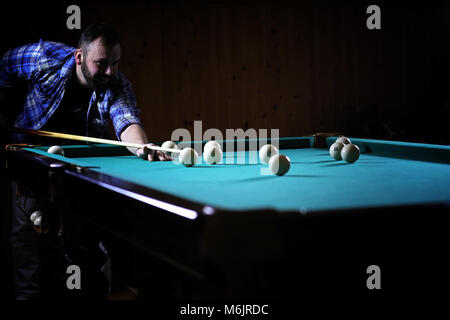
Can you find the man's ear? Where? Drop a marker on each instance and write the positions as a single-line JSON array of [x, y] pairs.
[[78, 56]]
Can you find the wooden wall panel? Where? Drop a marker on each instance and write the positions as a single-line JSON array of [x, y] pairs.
[[300, 66]]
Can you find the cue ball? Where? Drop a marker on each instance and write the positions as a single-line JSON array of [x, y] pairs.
[[343, 140], [188, 157], [169, 145], [56, 150], [279, 164], [212, 155], [350, 153], [335, 150], [266, 152]]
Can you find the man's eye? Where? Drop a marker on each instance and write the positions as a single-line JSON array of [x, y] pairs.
[[100, 63]]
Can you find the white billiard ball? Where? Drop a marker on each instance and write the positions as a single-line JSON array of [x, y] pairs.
[[169, 145], [267, 151], [343, 140], [279, 164], [335, 150], [350, 153], [212, 155], [188, 157], [56, 150], [212, 143]]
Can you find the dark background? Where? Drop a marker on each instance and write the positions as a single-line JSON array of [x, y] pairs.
[[298, 66]]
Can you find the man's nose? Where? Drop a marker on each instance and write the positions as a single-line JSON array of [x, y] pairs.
[[109, 70]]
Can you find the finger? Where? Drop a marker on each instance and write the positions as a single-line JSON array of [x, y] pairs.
[[151, 157], [146, 150], [162, 156], [141, 153], [148, 153], [154, 155]]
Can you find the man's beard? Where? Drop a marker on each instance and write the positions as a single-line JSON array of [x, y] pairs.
[[97, 82]]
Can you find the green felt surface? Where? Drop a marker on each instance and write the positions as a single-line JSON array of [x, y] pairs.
[[314, 181]]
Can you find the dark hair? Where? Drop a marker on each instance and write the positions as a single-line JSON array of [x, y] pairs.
[[93, 31]]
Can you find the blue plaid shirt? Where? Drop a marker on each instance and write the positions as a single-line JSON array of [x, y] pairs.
[[48, 67]]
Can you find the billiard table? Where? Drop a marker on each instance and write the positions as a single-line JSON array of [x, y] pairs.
[[235, 230]]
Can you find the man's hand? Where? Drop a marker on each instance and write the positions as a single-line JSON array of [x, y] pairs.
[[152, 155], [134, 133]]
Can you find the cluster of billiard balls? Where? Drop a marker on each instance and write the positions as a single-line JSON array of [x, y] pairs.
[[343, 149], [279, 164]]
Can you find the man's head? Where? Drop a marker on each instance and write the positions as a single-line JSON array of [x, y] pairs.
[[97, 57]]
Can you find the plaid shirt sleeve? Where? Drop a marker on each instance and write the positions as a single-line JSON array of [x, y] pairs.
[[123, 110], [19, 63]]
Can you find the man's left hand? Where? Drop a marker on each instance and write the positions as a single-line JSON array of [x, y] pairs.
[[152, 155]]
